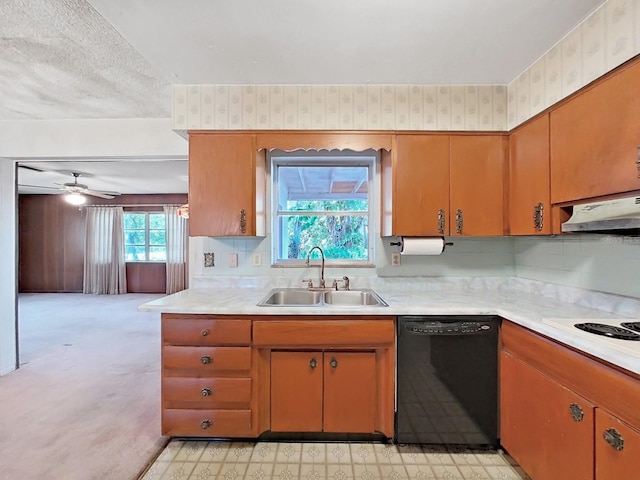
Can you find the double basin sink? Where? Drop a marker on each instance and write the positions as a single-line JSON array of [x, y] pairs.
[[300, 297]]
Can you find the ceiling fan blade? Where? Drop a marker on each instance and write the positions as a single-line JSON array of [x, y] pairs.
[[106, 195], [37, 186]]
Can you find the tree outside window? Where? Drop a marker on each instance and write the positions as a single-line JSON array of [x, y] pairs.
[[145, 237], [324, 201]]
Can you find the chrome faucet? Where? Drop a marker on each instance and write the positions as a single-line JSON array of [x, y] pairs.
[[322, 284]]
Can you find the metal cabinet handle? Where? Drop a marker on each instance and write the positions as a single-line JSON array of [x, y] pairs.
[[638, 161], [243, 221], [204, 332], [614, 438], [459, 221], [205, 424], [576, 412], [538, 216], [441, 221], [206, 392], [206, 360], [313, 363], [333, 363]]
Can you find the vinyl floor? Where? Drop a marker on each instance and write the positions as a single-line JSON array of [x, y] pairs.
[[219, 460]]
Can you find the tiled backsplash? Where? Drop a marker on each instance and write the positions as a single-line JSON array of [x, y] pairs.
[[466, 258], [596, 262]]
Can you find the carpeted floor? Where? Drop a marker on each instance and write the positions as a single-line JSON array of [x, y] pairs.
[[85, 403]]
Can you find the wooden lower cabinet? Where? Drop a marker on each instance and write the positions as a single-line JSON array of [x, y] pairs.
[[617, 448], [207, 384], [238, 377], [537, 426], [565, 415], [323, 392], [296, 391]]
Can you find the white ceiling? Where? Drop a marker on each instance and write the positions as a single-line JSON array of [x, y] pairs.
[[62, 59]]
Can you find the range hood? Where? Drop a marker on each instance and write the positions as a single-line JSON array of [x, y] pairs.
[[621, 216]]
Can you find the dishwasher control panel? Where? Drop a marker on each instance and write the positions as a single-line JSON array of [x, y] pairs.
[[441, 328]]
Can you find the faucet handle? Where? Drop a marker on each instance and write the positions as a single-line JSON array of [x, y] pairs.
[[344, 280], [309, 283]]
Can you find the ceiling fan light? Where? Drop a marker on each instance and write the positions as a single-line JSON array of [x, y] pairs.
[[75, 199]]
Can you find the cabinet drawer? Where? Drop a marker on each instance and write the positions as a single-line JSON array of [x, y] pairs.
[[206, 392], [312, 333], [206, 360], [206, 423], [178, 330]]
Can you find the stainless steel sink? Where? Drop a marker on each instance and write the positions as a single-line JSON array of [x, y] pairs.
[[298, 297], [354, 298], [291, 297]]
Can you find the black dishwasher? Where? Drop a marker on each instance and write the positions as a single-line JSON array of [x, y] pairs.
[[448, 380]]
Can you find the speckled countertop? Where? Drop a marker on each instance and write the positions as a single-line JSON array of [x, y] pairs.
[[520, 301]]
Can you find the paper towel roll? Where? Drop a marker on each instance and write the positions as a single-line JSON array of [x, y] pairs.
[[421, 246]]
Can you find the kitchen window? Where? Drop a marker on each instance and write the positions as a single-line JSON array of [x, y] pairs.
[[145, 237], [324, 200]]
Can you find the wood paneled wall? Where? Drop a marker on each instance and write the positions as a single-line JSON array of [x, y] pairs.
[[51, 244]]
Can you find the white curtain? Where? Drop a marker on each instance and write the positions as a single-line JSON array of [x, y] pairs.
[[177, 240], [104, 265]]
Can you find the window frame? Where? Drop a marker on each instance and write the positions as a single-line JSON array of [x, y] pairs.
[[277, 158], [147, 236]]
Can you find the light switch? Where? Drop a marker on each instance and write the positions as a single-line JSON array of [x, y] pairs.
[[233, 260], [257, 259]]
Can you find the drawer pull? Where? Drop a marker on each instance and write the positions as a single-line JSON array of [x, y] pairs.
[[459, 221], [441, 221], [313, 363], [613, 438], [333, 363], [205, 424], [206, 392], [576, 412], [206, 360], [205, 332]]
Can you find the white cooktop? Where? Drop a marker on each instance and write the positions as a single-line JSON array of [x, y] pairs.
[[628, 347]]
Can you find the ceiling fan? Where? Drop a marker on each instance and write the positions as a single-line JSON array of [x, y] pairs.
[[75, 191], [78, 188]]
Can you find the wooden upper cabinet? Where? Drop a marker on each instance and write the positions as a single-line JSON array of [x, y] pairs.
[[529, 204], [617, 448], [420, 185], [226, 185], [477, 178], [595, 138], [538, 427]]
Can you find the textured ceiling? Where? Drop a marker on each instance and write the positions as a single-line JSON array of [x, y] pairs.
[[61, 59]]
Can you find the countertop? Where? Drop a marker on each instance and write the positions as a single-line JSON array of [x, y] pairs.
[[521, 302]]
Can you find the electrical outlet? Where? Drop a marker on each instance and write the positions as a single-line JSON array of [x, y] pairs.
[[257, 259], [233, 259], [395, 259]]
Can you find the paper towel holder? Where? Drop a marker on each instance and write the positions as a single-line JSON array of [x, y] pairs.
[[399, 244]]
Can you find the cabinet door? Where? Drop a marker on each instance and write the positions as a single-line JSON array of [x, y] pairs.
[[617, 448], [421, 185], [221, 184], [477, 184], [296, 391], [595, 138], [537, 426], [529, 207], [350, 392]]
